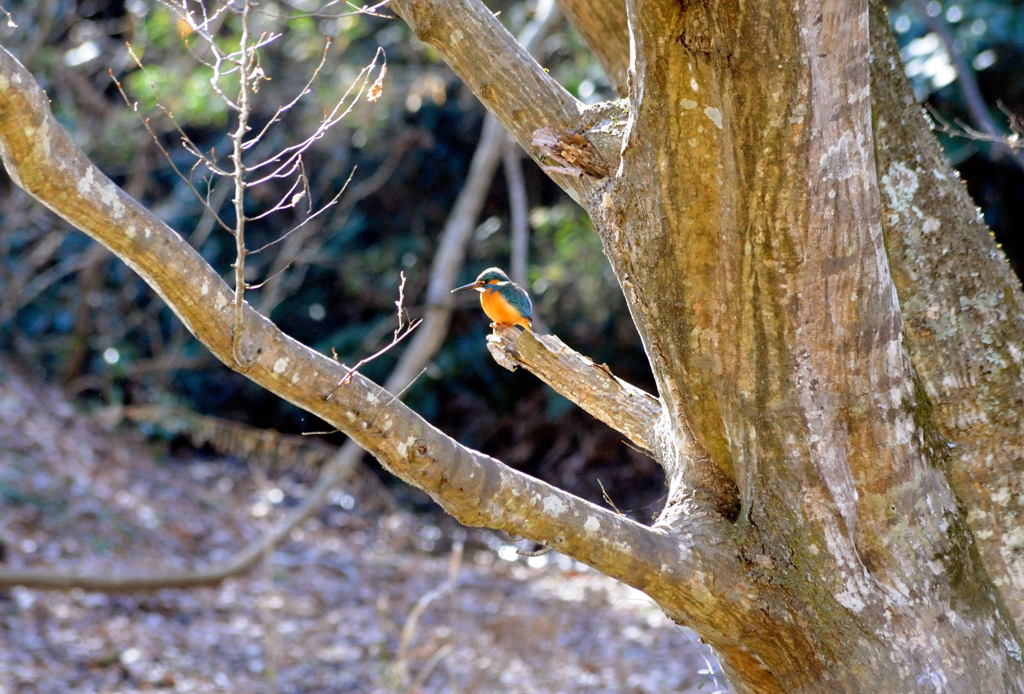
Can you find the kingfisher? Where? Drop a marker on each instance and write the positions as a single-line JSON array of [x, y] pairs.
[[504, 301]]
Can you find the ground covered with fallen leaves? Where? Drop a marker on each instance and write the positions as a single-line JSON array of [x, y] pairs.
[[364, 597]]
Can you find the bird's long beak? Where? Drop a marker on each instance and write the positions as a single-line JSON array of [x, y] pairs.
[[471, 285]]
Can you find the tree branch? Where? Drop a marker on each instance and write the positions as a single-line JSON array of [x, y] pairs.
[[502, 74], [695, 484], [602, 24], [473, 487], [426, 341], [593, 387]]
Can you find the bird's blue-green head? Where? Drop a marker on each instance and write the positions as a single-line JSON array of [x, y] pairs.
[[490, 276]]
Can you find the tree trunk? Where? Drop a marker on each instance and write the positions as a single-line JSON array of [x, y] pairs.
[[756, 271], [834, 337]]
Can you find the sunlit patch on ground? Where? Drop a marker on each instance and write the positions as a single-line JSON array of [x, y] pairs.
[[329, 612]]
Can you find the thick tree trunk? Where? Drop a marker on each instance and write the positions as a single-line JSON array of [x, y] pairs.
[[964, 319], [756, 271]]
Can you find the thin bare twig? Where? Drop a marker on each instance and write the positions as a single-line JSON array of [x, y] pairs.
[[248, 144], [340, 110], [608, 499], [958, 128], [186, 141], [307, 219], [272, 276], [401, 665], [402, 331], [187, 180], [288, 200], [285, 163], [238, 176]]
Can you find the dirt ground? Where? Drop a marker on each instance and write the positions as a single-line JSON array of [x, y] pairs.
[[362, 598]]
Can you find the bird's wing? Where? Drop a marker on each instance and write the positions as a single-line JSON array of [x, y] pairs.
[[521, 300]]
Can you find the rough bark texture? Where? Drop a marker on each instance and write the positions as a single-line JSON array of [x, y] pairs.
[[964, 320], [835, 409], [760, 284]]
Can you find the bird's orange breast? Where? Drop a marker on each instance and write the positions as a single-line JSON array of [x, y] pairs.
[[501, 311]]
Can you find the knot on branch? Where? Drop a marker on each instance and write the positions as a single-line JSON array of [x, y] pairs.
[[245, 350], [572, 151]]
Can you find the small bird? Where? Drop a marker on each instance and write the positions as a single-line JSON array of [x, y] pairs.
[[504, 301]]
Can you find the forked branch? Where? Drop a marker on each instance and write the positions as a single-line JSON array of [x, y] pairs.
[[501, 72]]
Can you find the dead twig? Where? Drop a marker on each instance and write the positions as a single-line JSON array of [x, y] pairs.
[[608, 499], [402, 331], [401, 664]]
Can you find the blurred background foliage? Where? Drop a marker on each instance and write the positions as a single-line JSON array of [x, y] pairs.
[[80, 317], [987, 41]]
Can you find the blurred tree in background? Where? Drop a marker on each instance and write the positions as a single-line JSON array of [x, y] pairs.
[[985, 41], [91, 323]]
